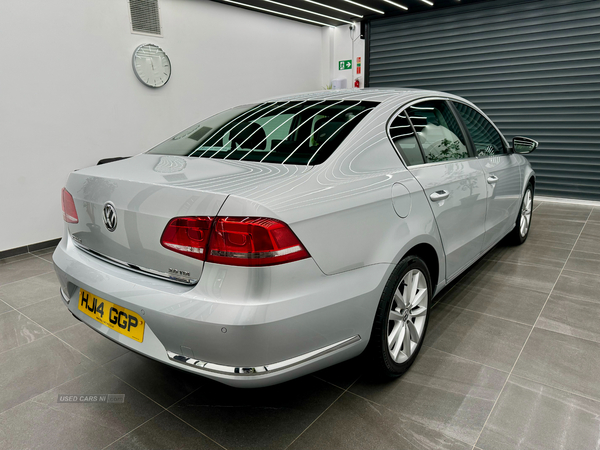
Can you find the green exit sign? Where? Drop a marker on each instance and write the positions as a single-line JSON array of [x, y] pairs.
[[345, 65]]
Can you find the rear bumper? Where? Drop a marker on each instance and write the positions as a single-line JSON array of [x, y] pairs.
[[246, 327]]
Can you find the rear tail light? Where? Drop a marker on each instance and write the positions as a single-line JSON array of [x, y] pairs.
[[249, 241], [68, 207], [238, 241], [188, 236]]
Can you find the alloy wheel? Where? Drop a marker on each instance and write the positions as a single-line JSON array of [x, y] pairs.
[[407, 316], [526, 213]]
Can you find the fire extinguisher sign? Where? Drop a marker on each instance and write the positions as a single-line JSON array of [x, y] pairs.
[[358, 65]]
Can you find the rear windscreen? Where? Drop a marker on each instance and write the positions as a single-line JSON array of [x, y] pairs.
[[295, 132]]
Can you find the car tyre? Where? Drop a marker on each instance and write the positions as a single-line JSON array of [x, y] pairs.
[[519, 233], [401, 319]]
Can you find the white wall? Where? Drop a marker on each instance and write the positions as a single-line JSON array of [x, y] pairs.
[[70, 97], [342, 50]]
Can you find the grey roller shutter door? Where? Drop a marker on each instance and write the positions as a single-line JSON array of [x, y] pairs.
[[532, 66]]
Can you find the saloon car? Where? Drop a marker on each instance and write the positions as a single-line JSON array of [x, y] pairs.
[[277, 238]]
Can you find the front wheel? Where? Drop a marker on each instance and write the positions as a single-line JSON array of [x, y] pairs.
[[401, 319], [521, 230]]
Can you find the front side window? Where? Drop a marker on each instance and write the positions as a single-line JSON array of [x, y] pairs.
[[438, 131], [294, 132], [485, 137]]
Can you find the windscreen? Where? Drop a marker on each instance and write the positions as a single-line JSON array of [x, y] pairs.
[[294, 132]]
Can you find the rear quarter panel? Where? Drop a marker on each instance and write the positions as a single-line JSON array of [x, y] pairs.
[[342, 210]]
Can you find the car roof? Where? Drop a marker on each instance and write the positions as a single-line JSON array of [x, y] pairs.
[[365, 94]]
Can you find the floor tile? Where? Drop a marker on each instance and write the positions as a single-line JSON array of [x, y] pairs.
[[44, 251], [47, 257], [589, 241], [498, 299], [34, 426], [561, 361], [32, 290], [345, 373], [551, 238], [591, 230], [536, 417], [556, 225], [52, 314], [578, 285], [4, 307], [163, 384], [353, 423], [484, 339], [266, 418], [595, 216], [34, 368], [584, 262], [164, 432], [21, 269], [530, 253], [17, 330], [526, 276], [563, 211], [92, 344], [578, 318], [440, 391], [588, 244], [117, 417]]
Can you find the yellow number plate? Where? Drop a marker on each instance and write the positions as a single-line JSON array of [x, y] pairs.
[[113, 316]]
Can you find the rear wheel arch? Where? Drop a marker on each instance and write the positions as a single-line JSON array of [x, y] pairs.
[[430, 257]]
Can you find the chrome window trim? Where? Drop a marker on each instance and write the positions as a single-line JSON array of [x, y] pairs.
[[449, 99], [137, 269], [400, 111], [418, 166], [260, 370]]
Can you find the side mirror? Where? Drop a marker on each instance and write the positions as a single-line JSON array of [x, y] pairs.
[[523, 145]]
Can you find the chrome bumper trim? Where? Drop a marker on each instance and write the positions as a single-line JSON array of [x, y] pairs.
[[261, 370], [134, 268], [64, 296]]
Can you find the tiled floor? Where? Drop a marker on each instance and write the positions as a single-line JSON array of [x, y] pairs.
[[511, 361]]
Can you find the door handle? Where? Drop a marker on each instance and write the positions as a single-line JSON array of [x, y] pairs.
[[439, 195], [492, 179]]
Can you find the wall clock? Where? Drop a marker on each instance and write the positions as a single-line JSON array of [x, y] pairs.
[[151, 65]]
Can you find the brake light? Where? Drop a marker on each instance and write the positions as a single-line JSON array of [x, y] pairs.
[[252, 241], [188, 236], [68, 207], [238, 241]]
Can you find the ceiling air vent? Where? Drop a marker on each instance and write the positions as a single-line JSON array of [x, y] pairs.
[[144, 17]]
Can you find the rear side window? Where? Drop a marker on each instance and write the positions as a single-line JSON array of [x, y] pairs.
[[485, 137], [438, 131], [405, 141], [298, 132]]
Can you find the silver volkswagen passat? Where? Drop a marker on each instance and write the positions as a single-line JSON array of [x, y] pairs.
[[278, 238]]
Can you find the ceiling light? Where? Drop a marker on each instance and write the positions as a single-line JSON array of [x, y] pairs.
[[396, 4], [245, 5], [364, 6], [333, 7], [307, 11], [428, 2]]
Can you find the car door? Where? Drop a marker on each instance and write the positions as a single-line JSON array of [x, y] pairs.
[[502, 174], [451, 177]]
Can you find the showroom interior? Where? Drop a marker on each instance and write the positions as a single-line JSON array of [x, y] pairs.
[[512, 352]]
